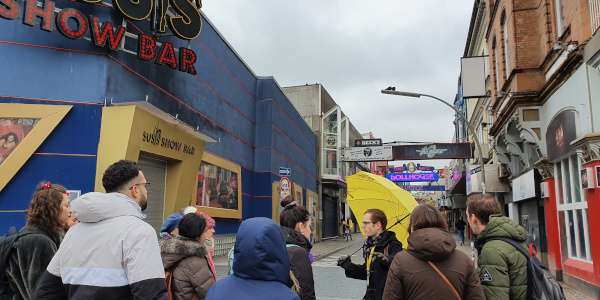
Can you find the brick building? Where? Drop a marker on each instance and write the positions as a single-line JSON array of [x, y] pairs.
[[544, 96]]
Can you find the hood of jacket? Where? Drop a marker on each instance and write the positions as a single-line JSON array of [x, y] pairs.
[[260, 252], [382, 240], [97, 207], [175, 249], [431, 244], [502, 227], [294, 237]]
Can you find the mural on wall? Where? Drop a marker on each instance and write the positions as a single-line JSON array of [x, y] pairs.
[[12, 132], [561, 132], [217, 187]]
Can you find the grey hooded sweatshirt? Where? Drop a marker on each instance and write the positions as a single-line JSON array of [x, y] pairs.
[[111, 254]]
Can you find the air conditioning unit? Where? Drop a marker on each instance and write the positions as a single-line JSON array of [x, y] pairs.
[[503, 171]]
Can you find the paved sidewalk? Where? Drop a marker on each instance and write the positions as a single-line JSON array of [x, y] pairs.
[[320, 250], [329, 247]]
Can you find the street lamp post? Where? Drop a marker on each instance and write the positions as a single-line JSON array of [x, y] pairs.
[[392, 91]]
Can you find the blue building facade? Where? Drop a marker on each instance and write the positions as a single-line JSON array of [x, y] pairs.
[[252, 124]]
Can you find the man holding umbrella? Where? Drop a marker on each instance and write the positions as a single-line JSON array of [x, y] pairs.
[[378, 251]]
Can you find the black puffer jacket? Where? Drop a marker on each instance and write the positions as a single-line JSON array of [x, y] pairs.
[[386, 245], [298, 247], [29, 259]]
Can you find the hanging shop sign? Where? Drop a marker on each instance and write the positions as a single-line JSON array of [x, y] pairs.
[[411, 167], [180, 16], [433, 151], [368, 143], [523, 187], [423, 188], [561, 132], [413, 177], [380, 153]]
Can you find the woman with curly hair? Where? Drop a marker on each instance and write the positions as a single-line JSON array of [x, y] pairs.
[[48, 218]]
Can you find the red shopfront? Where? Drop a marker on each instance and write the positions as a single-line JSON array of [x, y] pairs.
[[571, 191]]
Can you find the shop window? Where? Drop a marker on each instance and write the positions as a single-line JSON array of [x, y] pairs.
[[217, 187], [572, 207]]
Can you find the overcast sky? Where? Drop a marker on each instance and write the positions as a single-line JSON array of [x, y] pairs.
[[355, 49]]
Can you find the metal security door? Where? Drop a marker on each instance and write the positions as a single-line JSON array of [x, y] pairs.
[[155, 171], [330, 217]]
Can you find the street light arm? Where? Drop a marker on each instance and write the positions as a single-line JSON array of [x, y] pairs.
[[471, 131], [392, 91]]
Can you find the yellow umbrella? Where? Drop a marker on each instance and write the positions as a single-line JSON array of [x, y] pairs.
[[366, 191]]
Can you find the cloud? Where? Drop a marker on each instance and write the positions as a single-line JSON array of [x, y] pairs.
[[355, 49]]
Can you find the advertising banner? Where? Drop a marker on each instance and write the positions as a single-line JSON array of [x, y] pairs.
[[433, 151], [379, 153]]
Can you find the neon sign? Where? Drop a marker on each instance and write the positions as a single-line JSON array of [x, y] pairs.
[[413, 177], [181, 16]]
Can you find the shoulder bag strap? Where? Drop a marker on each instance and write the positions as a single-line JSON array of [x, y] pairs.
[[448, 283]]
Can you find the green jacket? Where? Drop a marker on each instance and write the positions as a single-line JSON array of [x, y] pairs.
[[502, 269]]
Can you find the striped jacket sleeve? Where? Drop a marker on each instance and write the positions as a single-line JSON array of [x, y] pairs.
[[143, 264]]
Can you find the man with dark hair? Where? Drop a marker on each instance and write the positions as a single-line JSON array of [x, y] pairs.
[[502, 268], [378, 251], [112, 253]]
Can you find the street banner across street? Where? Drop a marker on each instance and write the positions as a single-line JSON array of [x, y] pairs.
[[433, 151], [379, 153]]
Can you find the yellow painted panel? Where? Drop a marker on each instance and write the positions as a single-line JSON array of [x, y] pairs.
[[48, 116], [129, 130]]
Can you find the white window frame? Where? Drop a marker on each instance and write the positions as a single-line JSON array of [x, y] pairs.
[[559, 17], [506, 47], [497, 71], [573, 163]]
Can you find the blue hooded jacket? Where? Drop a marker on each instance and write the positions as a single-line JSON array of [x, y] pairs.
[[261, 265]]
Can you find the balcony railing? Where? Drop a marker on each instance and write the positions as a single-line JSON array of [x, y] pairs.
[[595, 14]]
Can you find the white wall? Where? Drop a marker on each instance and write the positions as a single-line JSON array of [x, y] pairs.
[[594, 80], [572, 94]]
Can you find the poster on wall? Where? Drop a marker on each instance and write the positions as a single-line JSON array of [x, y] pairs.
[[12, 132], [217, 187], [561, 132], [585, 180]]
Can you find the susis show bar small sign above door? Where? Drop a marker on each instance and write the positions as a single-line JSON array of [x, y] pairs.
[[182, 17]]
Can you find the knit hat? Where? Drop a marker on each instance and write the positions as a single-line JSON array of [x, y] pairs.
[[210, 222], [171, 223]]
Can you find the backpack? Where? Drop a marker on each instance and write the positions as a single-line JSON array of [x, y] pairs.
[[6, 247], [540, 283], [169, 280], [295, 283]]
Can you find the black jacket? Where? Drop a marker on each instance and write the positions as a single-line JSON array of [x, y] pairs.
[[298, 248], [31, 255], [385, 244]]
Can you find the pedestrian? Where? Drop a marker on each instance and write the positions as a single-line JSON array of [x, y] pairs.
[[112, 253], [169, 229], [261, 267], [378, 252], [185, 257], [48, 218], [460, 227], [431, 268], [296, 227], [347, 234], [502, 268]]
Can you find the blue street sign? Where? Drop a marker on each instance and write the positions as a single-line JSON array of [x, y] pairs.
[[287, 172]]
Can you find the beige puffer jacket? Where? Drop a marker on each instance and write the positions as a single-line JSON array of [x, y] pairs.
[[192, 276]]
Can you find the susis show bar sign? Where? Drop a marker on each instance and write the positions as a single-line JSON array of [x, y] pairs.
[[182, 17]]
